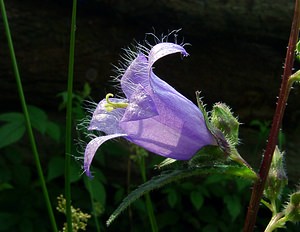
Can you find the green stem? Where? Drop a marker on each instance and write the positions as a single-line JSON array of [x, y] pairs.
[[277, 221], [271, 206], [293, 78], [27, 118], [149, 205], [69, 118], [267, 204], [274, 207]]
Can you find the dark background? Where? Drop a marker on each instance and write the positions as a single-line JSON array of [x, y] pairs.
[[236, 55]]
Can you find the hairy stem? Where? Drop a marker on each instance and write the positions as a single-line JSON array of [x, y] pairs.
[[277, 120], [277, 221], [69, 118], [27, 118]]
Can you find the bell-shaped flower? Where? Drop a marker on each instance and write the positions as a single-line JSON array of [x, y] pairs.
[[153, 115]]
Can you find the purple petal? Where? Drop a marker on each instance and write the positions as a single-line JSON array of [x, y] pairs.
[[135, 74], [92, 147], [141, 106], [107, 122], [163, 49], [169, 134], [179, 130]]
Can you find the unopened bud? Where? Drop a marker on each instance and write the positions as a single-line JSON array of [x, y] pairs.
[[223, 119], [277, 178]]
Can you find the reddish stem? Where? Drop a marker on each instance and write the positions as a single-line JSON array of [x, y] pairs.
[[277, 120]]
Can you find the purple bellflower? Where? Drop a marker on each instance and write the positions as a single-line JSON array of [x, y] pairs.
[[153, 115]]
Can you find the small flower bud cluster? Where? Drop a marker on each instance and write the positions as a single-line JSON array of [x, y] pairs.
[[79, 219]]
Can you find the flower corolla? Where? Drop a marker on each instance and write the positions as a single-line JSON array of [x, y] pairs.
[[152, 115]]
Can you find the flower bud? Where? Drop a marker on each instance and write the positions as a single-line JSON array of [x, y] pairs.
[[223, 119], [277, 178]]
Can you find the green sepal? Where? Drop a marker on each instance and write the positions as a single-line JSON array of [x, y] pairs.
[[208, 155], [165, 162], [225, 129], [170, 176], [215, 131]]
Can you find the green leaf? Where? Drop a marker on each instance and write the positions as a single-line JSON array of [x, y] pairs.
[[241, 185], [56, 168], [38, 118], [11, 133], [170, 176], [96, 189], [100, 175], [119, 194], [12, 117], [233, 205], [53, 130], [197, 199], [63, 103], [172, 197], [5, 186]]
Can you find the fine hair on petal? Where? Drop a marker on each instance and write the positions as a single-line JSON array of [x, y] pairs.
[[136, 48], [89, 107], [172, 37], [126, 58]]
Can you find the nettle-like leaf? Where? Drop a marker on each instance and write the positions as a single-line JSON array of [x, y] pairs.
[[170, 176]]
